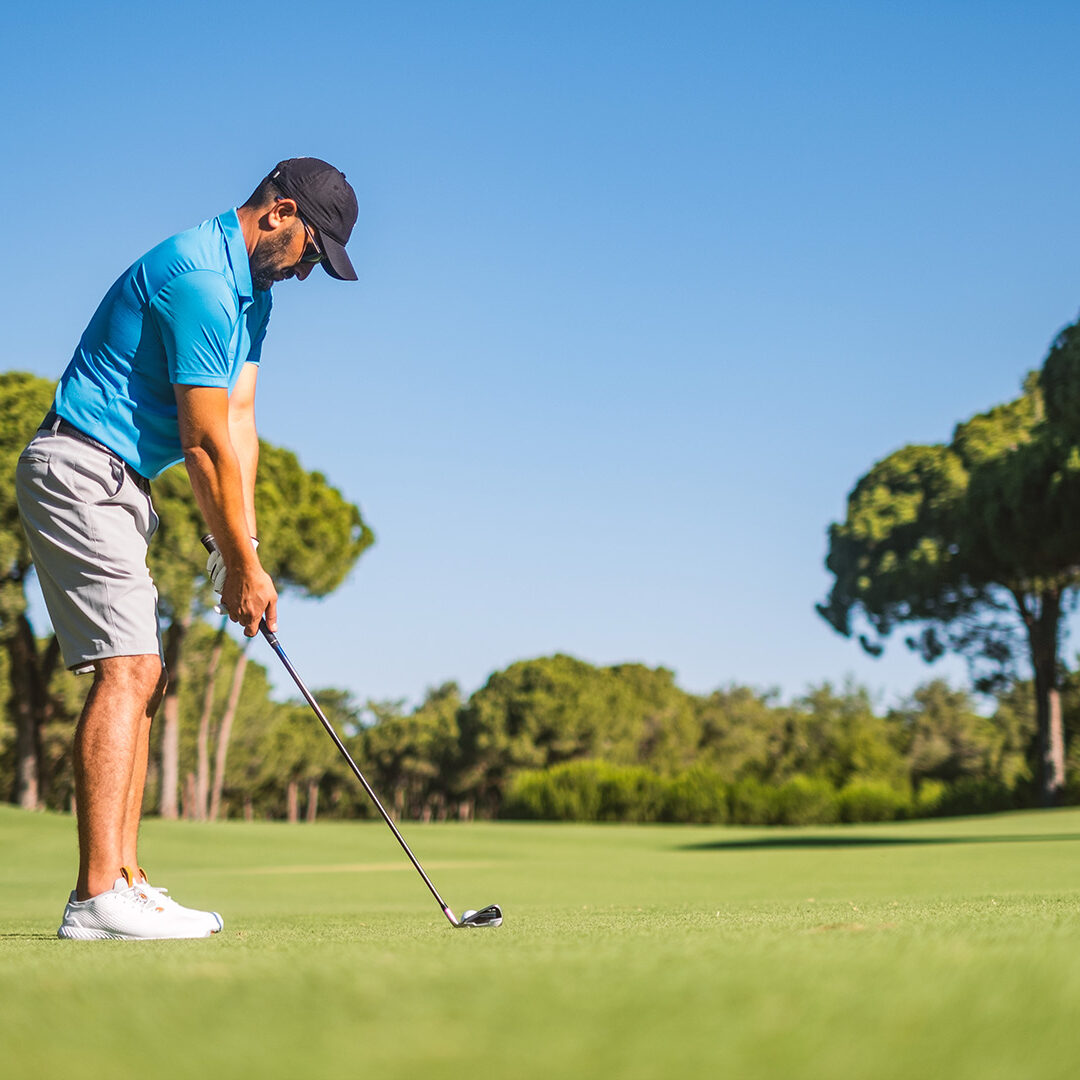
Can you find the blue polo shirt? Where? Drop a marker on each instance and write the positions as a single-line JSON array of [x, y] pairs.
[[184, 313]]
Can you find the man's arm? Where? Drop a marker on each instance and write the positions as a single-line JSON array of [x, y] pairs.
[[218, 481], [244, 437]]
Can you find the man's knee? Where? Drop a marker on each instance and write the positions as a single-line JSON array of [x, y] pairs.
[[143, 674]]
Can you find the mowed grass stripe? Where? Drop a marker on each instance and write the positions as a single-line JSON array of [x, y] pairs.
[[343, 868]]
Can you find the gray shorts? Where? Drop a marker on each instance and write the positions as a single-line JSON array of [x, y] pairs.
[[88, 519]]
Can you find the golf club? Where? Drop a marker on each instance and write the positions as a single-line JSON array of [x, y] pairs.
[[488, 916]]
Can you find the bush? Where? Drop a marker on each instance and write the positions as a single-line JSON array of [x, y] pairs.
[[928, 798], [599, 791], [1071, 794], [751, 803], [872, 800], [585, 791], [566, 793], [974, 795], [697, 797], [804, 801], [629, 793]]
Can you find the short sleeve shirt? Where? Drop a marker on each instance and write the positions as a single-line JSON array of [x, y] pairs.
[[185, 313]]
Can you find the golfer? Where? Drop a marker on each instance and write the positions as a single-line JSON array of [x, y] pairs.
[[165, 372]]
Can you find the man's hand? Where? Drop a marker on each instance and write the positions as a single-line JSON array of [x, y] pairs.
[[249, 597], [215, 565], [255, 597]]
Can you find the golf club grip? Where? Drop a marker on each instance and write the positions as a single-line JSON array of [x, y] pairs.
[[207, 541]]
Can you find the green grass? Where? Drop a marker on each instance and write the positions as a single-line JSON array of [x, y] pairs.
[[929, 949]]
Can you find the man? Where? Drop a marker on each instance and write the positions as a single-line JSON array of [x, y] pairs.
[[165, 371]]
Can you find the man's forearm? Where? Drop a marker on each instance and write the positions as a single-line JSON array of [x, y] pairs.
[[225, 498], [245, 442], [217, 480]]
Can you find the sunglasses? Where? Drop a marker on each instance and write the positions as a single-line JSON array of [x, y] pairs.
[[312, 252]]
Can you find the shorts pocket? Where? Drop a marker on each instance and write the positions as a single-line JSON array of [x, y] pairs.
[[90, 481]]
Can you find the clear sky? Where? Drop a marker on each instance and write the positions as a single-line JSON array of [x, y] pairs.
[[644, 288]]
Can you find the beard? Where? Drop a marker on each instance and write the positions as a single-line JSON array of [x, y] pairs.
[[266, 261]]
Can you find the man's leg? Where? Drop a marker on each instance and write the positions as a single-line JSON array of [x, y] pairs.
[[110, 760], [133, 811]]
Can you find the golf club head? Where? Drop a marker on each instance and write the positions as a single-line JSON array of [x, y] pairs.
[[489, 916]]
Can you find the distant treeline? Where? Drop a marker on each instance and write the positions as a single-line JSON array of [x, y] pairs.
[[557, 738]]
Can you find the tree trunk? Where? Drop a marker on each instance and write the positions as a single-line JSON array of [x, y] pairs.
[[189, 807], [170, 740], [29, 707], [202, 781], [225, 731], [292, 802], [47, 664], [312, 801], [1043, 632]]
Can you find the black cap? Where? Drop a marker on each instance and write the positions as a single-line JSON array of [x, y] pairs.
[[327, 201]]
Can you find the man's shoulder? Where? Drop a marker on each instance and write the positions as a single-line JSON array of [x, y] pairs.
[[199, 251]]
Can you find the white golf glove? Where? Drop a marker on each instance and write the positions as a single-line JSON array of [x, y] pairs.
[[215, 567]]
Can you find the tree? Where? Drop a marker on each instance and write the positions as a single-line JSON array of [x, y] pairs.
[[414, 756], [944, 738], [835, 737], [296, 752], [24, 400], [736, 726], [970, 542], [539, 713], [310, 538]]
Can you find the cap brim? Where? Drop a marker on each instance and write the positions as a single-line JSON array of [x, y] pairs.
[[335, 262]]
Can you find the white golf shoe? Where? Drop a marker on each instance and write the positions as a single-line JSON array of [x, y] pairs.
[[131, 913], [212, 919]]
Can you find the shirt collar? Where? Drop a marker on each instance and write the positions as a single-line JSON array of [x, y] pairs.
[[236, 250]]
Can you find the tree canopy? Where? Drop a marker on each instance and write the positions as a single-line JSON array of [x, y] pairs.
[[972, 544]]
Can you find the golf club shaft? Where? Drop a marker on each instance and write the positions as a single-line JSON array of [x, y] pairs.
[[272, 641], [274, 644]]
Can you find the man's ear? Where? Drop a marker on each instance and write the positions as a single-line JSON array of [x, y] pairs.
[[281, 212]]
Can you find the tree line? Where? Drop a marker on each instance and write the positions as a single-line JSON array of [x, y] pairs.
[[968, 544], [557, 737]]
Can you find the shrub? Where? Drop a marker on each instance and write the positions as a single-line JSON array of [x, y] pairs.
[[1071, 795], [805, 801], [565, 793], [585, 791], [872, 800], [975, 795], [928, 798], [629, 793], [751, 803], [697, 796]]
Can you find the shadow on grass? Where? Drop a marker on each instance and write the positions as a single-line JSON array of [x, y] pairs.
[[757, 843], [29, 937]]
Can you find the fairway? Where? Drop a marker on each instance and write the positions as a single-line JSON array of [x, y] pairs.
[[948, 948]]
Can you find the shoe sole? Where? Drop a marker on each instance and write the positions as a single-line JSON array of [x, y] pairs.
[[82, 933]]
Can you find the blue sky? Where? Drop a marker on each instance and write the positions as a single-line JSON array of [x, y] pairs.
[[644, 288]]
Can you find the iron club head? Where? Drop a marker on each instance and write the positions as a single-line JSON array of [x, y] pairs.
[[489, 916]]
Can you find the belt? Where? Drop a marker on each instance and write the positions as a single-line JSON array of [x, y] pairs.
[[56, 423]]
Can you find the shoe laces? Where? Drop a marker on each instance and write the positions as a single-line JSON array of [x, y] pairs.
[[136, 896], [140, 895]]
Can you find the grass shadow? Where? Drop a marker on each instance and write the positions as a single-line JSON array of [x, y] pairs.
[[838, 840]]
